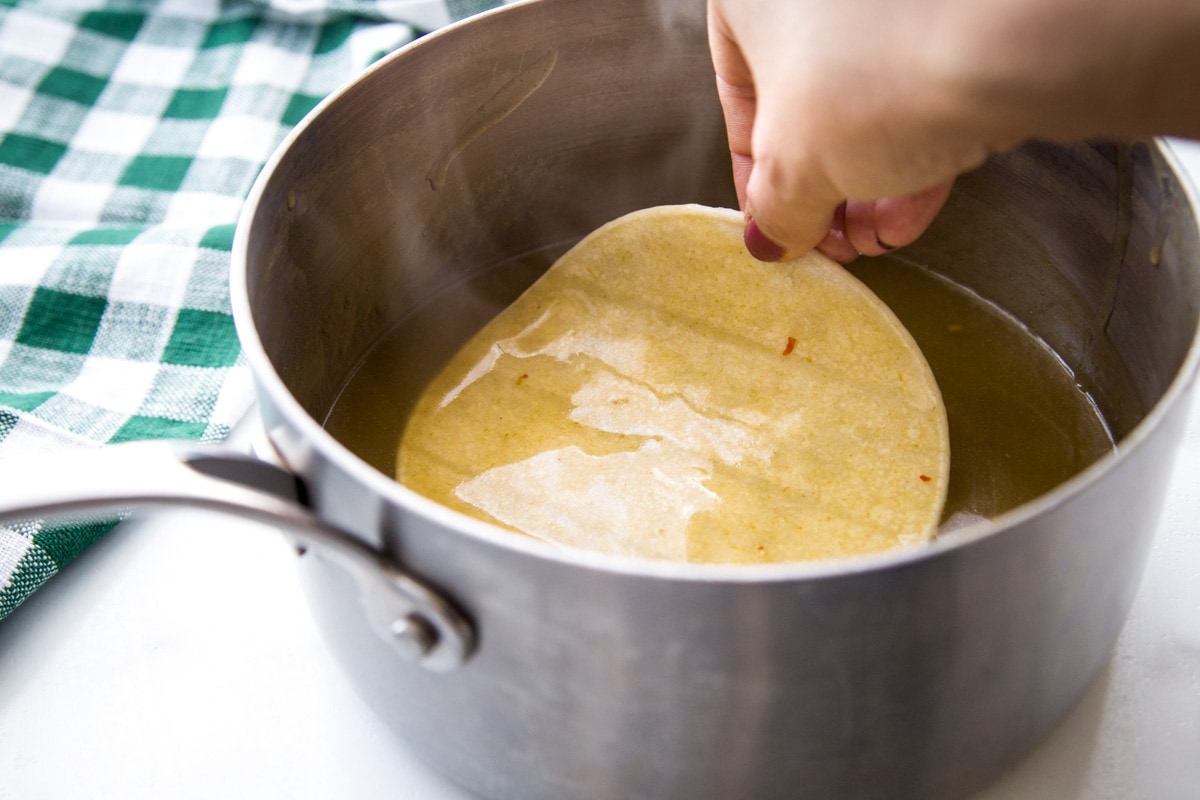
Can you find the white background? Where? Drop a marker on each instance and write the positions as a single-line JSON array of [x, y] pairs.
[[176, 658]]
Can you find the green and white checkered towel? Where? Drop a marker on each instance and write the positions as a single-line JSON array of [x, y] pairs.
[[130, 132]]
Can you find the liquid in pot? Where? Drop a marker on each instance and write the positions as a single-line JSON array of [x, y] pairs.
[[1019, 422]]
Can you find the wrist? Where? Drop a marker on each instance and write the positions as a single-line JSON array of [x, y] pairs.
[[1017, 69]]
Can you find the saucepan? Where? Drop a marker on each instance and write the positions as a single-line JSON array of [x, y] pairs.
[[429, 192]]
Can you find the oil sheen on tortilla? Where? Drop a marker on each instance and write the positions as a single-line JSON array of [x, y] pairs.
[[660, 394]]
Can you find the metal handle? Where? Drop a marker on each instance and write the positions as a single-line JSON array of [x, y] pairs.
[[420, 624]]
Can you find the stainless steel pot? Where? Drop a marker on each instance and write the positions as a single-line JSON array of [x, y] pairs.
[[470, 159]]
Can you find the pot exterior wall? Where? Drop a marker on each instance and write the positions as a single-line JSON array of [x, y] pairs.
[[922, 680]]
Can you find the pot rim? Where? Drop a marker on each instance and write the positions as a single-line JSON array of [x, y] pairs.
[[269, 382]]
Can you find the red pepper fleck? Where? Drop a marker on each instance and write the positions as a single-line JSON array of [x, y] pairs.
[[926, 478], [790, 346], [522, 377]]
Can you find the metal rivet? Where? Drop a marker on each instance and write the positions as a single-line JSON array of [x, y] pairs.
[[414, 636]]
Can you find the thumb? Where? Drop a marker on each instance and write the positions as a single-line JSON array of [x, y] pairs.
[[789, 205]]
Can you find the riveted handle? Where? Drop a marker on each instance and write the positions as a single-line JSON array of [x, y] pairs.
[[418, 622]]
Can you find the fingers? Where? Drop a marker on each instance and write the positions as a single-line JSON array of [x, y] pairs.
[[900, 220], [777, 226], [742, 164], [735, 89], [878, 227], [853, 228], [861, 229], [782, 166], [791, 205], [874, 228], [835, 244]]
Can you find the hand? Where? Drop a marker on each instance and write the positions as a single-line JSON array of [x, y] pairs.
[[827, 150], [848, 120]]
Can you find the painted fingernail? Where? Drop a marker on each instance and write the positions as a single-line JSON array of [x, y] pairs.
[[759, 245]]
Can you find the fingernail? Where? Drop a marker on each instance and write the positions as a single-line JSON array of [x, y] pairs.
[[759, 245], [886, 247]]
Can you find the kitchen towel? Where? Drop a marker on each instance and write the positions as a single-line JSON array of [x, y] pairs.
[[130, 134]]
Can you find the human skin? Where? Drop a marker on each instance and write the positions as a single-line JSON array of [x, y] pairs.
[[848, 120]]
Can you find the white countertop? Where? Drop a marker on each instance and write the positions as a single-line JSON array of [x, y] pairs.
[[158, 666]]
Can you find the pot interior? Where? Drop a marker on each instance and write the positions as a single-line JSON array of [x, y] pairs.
[[426, 196]]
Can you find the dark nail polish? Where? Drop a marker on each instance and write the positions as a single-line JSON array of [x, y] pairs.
[[759, 245]]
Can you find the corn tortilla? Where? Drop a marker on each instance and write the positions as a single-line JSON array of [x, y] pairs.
[[661, 394]]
